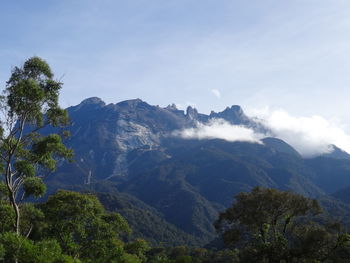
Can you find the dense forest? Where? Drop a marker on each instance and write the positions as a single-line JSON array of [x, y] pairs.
[[264, 225], [261, 225]]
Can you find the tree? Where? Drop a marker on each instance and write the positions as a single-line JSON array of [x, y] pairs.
[[139, 247], [84, 229], [19, 248], [28, 104], [269, 225]]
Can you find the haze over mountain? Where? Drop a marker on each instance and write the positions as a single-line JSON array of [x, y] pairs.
[[180, 168]]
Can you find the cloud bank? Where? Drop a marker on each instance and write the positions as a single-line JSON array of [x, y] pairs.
[[220, 129], [310, 136]]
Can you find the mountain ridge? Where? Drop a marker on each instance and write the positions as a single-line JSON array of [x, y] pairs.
[[185, 182]]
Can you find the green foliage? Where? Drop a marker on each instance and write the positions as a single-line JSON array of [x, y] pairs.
[[30, 88], [224, 256], [161, 259], [32, 218], [67, 259], [45, 149], [34, 186], [83, 228], [139, 247], [264, 213], [145, 221], [26, 251], [45, 252], [29, 103], [125, 258], [184, 259], [25, 168], [3, 191], [16, 247], [69, 227], [184, 254], [7, 217], [117, 222], [270, 225], [2, 252]]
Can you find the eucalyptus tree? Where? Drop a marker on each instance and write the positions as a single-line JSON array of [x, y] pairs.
[[28, 104]]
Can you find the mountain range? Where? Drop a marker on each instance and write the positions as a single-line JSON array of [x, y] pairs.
[[170, 188]]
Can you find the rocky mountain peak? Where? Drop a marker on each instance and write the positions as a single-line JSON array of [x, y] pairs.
[[336, 153], [90, 103], [234, 109], [233, 114], [191, 113], [133, 103], [171, 107], [93, 100]]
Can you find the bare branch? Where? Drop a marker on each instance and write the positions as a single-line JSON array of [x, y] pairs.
[[29, 231]]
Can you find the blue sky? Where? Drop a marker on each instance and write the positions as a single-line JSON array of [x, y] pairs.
[[292, 54]]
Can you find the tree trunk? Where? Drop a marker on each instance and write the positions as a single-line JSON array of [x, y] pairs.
[[17, 214], [18, 231]]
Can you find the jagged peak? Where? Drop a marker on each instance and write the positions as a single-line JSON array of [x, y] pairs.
[[191, 112], [171, 107], [233, 114], [235, 109], [191, 109]]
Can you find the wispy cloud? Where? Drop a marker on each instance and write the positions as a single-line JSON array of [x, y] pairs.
[[216, 92]]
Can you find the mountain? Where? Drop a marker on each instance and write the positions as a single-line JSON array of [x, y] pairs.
[[337, 153], [181, 184], [104, 136], [280, 146]]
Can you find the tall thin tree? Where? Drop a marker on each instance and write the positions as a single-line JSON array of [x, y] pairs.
[[28, 104]]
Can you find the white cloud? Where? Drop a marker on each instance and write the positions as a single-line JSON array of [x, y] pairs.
[[220, 129], [216, 92], [310, 136]]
